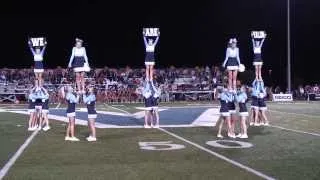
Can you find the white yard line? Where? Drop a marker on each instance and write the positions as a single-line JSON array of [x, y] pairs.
[[298, 114], [13, 159], [244, 167], [58, 106], [117, 109], [294, 130]]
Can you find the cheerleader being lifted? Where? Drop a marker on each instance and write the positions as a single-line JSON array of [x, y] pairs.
[[258, 38]]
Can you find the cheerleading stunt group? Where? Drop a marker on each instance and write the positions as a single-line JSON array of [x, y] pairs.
[[84, 92]]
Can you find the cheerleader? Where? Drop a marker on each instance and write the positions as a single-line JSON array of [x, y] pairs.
[[79, 63], [255, 91], [262, 104], [232, 110], [155, 99], [72, 100], [232, 62], [243, 111], [224, 112], [257, 60], [90, 100], [31, 109], [148, 99], [45, 109], [150, 45], [38, 62]]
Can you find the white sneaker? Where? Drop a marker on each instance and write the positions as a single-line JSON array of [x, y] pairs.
[[266, 124], [46, 128], [251, 123], [90, 139], [239, 135], [231, 135], [256, 124], [30, 129], [156, 126], [219, 136], [147, 126], [39, 128], [244, 136], [74, 139], [67, 138], [152, 126]]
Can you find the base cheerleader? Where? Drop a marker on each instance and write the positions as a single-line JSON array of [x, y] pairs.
[[224, 111], [150, 45], [155, 110], [232, 62], [72, 99], [257, 59], [243, 111], [38, 63], [148, 100], [90, 100], [79, 63]]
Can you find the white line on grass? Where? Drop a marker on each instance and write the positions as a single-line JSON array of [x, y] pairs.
[[58, 106], [117, 109], [306, 115], [248, 169], [297, 131], [13, 159]]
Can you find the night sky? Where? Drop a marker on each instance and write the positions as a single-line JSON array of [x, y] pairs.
[[192, 33]]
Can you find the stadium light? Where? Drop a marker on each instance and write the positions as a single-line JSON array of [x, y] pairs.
[[288, 49]]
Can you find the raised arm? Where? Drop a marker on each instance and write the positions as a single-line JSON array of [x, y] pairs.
[[43, 49], [145, 41], [262, 42], [253, 43], [71, 58], [156, 41], [31, 48]]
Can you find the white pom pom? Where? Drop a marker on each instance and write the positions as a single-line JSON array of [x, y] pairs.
[[242, 68]]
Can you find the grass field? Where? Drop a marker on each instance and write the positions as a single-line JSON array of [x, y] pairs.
[[288, 149]]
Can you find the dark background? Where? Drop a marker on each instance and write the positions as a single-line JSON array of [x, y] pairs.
[[192, 33]]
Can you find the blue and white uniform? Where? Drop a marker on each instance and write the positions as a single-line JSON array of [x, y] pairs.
[[45, 97], [232, 60], [224, 99], [231, 102], [90, 101], [155, 97], [32, 102], [148, 97], [261, 97], [257, 57], [150, 58], [78, 59], [38, 60], [254, 95], [72, 100], [241, 99]]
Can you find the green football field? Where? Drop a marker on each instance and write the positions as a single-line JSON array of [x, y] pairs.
[[288, 149]]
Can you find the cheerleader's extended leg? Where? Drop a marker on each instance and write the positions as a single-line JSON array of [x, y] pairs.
[[78, 81], [234, 79], [146, 119], [256, 117], [147, 72], [92, 128], [230, 79], [40, 80], [151, 73], [259, 72], [82, 82], [244, 127], [222, 121]]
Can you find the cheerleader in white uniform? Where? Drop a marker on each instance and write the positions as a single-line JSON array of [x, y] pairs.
[[45, 109], [243, 111], [72, 99], [38, 63], [224, 112], [262, 104], [150, 58], [232, 62], [257, 59], [155, 99], [90, 100], [79, 63], [148, 99]]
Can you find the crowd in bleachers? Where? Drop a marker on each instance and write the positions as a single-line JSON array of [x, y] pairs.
[[122, 84]]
